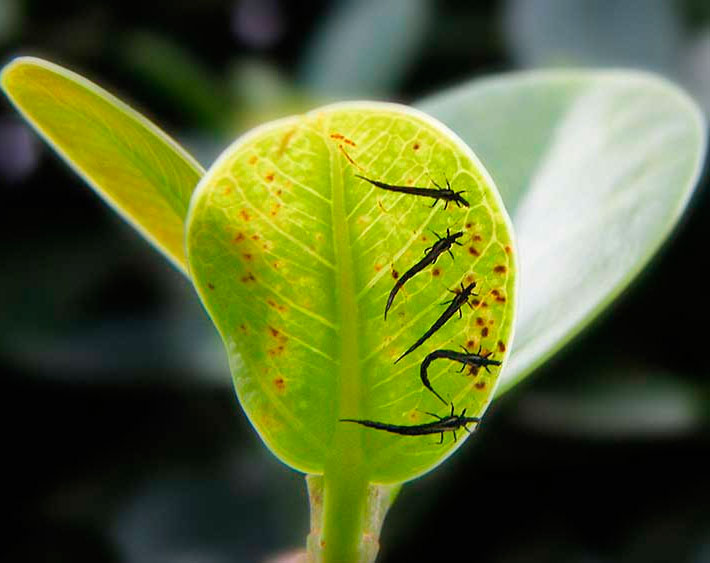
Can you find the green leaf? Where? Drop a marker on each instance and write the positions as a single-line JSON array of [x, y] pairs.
[[595, 169], [135, 167], [293, 258]]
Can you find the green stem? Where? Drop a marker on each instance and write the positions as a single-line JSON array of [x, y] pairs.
[[346, 519]]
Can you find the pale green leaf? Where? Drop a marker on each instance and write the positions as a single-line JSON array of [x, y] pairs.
[[293, 257], [595, 169], [135, 167]]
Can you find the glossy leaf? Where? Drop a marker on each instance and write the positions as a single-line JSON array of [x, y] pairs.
[[595, 168], [135, 167], [293, 257]]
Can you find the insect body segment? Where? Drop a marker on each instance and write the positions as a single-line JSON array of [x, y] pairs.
[[447, 193], [431, 255], [465, 358], [455, 304], [450, 423]]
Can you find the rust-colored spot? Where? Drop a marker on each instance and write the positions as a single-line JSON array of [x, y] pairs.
[[480, 384], [508, 250], [227, 190], [239, 237], [471, 344], [243, 328], [343, 138], [491, 322], [476, 238], [253, 159], [255, 237], [424, 238], [346, 155], [211, 286], [269, 177], [484, 304], [468, 225], [280, 384], [480, 321], [475, 302], [378, 267], [322, 543], [495, 292], [274, 305], [484, 332], [279, 192], [436, 272], [248, 257], [395, 274], [245, 215], [470, 278], [473, 370], [416, 146], [501, 346], [274, 332], [275, 209], [249, 277], [500, 269], [413, 415], [284, 142], [500, 298], [473, 251], [276, 264]]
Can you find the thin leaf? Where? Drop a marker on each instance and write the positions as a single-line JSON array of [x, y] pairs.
[[595, 168], [135, 167]]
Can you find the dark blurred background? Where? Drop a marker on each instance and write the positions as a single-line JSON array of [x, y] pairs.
[[124, 441]]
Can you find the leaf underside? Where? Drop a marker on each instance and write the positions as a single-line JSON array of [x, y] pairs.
[[135, 167], [293, 257]]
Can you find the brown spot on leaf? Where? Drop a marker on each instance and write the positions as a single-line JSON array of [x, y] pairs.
[[416, 146], [249, 277], [276, 264], [255, 237], [395, 274], [476, 238], [274, 305], [480, 384], [475, 302], [484, 332], [468, 225], [275, 209], [480, 321], [280, 384], [473, 251], [501, 346], [248, 257], [211, 286], [243, 328], [436, 272], [470, 278], [253, 159], [245, 215], [508, 250], [269, 177], [239, 237], [500, 269], [378, 267]]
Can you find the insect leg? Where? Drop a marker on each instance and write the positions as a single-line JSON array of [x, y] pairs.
[[441, 441], [454, 436]]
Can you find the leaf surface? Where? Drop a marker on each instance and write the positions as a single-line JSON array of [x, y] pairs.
[[135, 167], [293, 257], [595, 169]]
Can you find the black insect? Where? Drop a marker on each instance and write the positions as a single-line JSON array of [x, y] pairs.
[[448, 423], [465, 358], [431, 254], [455, 304], [447, 193]]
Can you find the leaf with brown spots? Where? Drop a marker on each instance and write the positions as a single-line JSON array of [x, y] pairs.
[[309, 277]]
